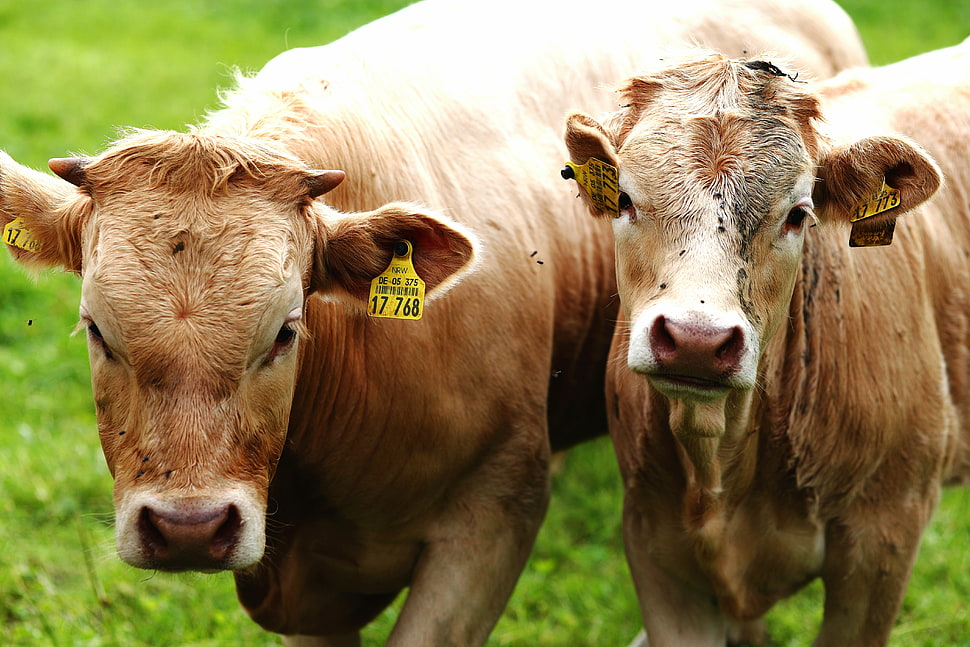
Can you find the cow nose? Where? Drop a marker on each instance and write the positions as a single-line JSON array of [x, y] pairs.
[[191, 535], [698, 350]]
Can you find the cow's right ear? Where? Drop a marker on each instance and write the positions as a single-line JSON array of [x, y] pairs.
[[873, 180], [41, 217], [585, 139], [353, 249]]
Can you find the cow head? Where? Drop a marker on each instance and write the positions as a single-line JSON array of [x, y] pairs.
[[197, 254], [721, 170]]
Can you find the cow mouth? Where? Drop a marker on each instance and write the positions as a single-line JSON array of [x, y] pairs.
[[689, 386]]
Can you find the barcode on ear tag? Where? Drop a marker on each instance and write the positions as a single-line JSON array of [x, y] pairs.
[[601, 182], [398, 292]]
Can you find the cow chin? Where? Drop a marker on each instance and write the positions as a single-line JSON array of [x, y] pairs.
[[681, 387], [206, 531]]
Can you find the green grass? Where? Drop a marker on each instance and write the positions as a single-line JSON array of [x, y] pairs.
[[70, 73]]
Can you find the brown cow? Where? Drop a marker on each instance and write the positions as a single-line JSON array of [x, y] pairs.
[[242, 390], [785, 407]]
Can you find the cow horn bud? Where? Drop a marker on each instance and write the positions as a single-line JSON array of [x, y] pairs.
[[320, 182], [70, 168]]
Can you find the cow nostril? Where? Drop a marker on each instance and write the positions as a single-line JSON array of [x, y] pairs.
[[226, 535], [730, 351], [152, 537], [661, 339]]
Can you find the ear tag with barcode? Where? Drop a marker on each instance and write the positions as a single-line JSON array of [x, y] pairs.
[[864, 234], [16, 234], [601, 182], [398, 292]]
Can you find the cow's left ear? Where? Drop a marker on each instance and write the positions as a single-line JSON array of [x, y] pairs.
[[587, 139], [353, 249], [852, 177]]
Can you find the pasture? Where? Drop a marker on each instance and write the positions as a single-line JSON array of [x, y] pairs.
[[70, 73]]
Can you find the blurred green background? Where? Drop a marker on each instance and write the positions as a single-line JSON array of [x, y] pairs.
[[70, 73]]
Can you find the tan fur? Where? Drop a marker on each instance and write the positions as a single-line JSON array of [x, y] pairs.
[[818, 447], [384, 454]]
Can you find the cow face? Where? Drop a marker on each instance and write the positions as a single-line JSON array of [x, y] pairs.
[[718, 166], [197, 254]]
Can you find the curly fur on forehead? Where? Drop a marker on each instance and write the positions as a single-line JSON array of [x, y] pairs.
[[713, 85], [211, 227], [196, 162]]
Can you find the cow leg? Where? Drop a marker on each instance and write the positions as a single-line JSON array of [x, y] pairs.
[[345, 640], [467, 571], [674, 613], [868, 564]]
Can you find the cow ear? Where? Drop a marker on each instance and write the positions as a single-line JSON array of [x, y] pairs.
[[41, 217], [852, 178], [587, 139], [353, 249]]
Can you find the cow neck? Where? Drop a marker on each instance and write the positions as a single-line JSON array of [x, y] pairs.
[[715, 445], [795, 374], [330, 403]]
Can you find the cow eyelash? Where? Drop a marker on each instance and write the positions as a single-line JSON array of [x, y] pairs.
[[287, 335], [94, 334], [796, 217]]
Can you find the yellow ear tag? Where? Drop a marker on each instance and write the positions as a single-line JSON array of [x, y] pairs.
[[601, 182], [865, 235], [16, 234], [884, 199], [398, 292]]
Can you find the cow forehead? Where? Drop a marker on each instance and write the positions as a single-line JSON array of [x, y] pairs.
[[167, 282], [221, 266], [176, 213], [737, 132], [730, 163]]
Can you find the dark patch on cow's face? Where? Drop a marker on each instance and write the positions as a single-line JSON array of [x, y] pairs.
[[179, 247], [744, 297]]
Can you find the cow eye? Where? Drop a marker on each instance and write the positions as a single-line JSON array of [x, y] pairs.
[[94, 334], [285, 336], [796, 218], [625, 205], [283, 342]]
